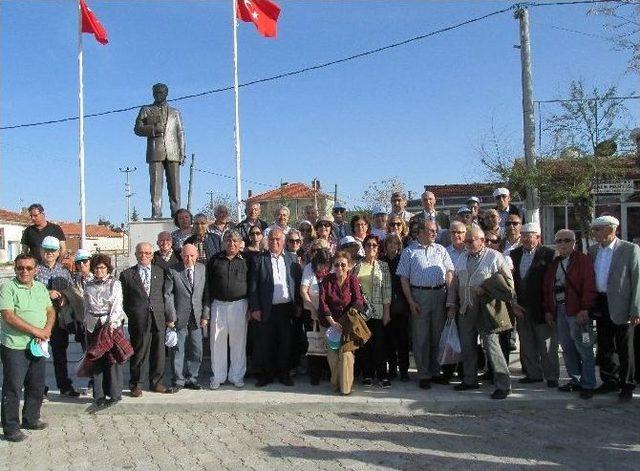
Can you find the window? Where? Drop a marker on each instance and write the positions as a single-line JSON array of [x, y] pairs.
[[2, 242]]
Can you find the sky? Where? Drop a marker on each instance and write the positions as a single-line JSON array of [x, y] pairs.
[[418, 112]]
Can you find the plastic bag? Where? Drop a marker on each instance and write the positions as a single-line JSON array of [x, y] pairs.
[[449, 351]]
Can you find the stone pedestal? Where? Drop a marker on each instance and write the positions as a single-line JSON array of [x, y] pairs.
[[147, 230]]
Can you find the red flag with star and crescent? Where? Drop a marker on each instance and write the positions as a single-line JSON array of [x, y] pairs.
[[91, 24], [263, 13]]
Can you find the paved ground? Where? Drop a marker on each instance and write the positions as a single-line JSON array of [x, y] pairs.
[[592, 438]]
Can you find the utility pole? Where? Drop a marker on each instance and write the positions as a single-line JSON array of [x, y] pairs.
[[211, 193], [127, 190], [532, 203], [191, 172], [315, 193], [335, 195]]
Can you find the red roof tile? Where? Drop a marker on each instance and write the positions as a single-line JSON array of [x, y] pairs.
[[93, 230], [10, 216], [289, 191]]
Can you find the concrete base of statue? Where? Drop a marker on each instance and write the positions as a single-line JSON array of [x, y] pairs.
[[147, 230]]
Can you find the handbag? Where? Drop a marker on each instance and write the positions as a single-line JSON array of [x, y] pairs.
[[317, 342], [450, 350]]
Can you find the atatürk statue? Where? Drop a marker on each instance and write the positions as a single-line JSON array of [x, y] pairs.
[[162, 126]]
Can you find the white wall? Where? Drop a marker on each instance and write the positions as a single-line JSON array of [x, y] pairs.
[[12, 234]]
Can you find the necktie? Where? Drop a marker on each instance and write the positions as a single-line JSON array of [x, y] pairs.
[[190, 276], [147, 280]]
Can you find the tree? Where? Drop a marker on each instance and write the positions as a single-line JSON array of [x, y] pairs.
[[586, 120], [623, 25], [217, 199], [104, 222], [134, 215], [378, 194]]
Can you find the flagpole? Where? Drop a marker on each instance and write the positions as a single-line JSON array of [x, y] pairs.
[[236, 129], [83, 234]]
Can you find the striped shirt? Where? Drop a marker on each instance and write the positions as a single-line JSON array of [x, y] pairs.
[[425, 265]]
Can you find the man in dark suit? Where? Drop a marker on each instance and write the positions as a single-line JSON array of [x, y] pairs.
[[274, 284], [617, 266], [165, 257], [538, 340], [186, 311], [143, 303]]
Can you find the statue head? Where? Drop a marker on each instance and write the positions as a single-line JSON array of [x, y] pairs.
[[160, 93]]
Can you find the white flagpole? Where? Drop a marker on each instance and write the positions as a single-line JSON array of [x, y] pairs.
[[236, 129], [83, 233]]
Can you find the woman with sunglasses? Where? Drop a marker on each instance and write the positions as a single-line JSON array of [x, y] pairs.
[[375, 283], [294, 244], [397, 225], [324, 231], [339, 291]]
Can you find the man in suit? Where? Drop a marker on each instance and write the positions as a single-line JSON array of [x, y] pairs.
[[143, 303], [165, 257], [429, 212], [617, 267], [162, 126], [274, 283], [538, 339], [186, 310]]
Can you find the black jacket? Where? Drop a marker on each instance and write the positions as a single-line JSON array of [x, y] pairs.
[[140, 308], [529, 290]]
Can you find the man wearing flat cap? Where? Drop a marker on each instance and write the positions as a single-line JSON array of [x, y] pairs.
[[538, 339], [617, 267]]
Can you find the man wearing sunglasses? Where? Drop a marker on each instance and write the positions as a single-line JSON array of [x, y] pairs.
[[27, 314], [617, 267]]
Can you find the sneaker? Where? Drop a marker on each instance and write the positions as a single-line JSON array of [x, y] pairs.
[[385, 384], [367, 382], [239, 384], [214, 385]]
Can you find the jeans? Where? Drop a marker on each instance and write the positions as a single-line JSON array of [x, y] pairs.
[[19, 369], [372, 353], [577, 348]]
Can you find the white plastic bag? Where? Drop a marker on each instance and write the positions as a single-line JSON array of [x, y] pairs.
[[450, 351]]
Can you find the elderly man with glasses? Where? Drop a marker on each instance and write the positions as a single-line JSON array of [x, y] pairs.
[[569, 295], [617, 267], [425, 270]]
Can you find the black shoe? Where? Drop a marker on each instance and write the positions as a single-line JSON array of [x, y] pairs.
[[606, 388], [571, 387], [39, 425], [424, 384], [71, 392], [112, 401], [500, 393], [100, 402], [440, 380], [367, 382], [262, 382], [174, 389], [193, 386], [15, 437], [385, 384], [465, 387], [586, 393], [527, 380], [404, 377], [625, 395], [552, 383], [286, 380]]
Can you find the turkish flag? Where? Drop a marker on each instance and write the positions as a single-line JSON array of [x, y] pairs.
[[263, 13], [91, 24]]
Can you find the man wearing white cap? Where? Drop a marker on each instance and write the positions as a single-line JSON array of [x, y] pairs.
[[57, 278], [617, 267], [379, 228], [538, 339], [503, 205], [473, 203]]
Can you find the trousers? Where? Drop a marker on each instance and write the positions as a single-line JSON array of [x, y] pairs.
[[538, 349], [341, 365], [186, 356], [229, 328], [426, 328], [156, 171]]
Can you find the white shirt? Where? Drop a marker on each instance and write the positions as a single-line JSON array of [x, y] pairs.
[[280, 287], [310, 281], [603, 264]]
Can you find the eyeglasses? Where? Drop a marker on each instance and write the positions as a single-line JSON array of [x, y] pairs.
[[371, 245], [458, 232], [512, 223], [564, 241], [396, 224], [492, 241], [295, 241], [255, 233], [340, 265], [83, 261], [499, 197], [24, 268]]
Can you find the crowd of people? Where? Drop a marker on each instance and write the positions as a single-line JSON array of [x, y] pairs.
[[386, 283]]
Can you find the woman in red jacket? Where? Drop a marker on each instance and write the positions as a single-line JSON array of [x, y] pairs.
[[569, 293]]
